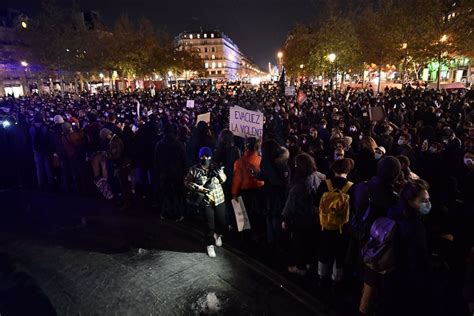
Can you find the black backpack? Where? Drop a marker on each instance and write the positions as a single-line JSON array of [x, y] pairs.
[[41, 141]]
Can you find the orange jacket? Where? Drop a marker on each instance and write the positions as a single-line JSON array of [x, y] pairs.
[[246, 170]]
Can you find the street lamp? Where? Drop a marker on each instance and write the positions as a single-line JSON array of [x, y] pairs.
[[24, 25], [443, 39], [404, 47], [332, 59], [101, 75], [24, 64], [280, 58], [301, 66]]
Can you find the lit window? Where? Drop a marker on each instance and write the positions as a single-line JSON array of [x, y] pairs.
[[206, 65], [213, 56], [205, 35], [185, 36], [213, 65], [212, 35], [198, 36], [191, 36], [219, 65]]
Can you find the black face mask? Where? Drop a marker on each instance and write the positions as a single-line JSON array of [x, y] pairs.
[[205, 162]]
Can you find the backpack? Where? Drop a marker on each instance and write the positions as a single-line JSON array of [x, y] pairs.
[[378, 252], [41, 138], [334, 207], [360, 224]]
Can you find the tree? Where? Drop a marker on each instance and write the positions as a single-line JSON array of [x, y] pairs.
[[336, 35], [298, 49]]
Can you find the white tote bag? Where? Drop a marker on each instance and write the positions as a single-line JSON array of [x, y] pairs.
[[241, 216]]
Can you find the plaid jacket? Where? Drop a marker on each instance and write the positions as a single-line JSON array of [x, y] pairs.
[[198, 176]]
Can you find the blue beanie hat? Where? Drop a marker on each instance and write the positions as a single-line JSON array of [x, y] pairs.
[[205, 151]]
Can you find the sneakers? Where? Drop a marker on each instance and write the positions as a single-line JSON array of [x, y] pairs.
[[211, 251], [295, 270], [218, 239]]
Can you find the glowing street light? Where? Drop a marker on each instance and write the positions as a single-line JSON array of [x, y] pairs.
[[24, 25], [280, 55], [101, 75], [332, 57], [443, 38], [24, 63], [301, 66], [404, 46]]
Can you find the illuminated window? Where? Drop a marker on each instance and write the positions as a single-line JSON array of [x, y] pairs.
[[212, 35], [198, 36], [205, 35], [206, 65], [213, 56], [213, 65], [219, 65], [191, 36]]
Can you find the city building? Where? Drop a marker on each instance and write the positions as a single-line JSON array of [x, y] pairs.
[[13, 71], [221, 57]]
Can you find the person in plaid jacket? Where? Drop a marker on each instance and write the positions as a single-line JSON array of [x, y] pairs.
[[207, 178]]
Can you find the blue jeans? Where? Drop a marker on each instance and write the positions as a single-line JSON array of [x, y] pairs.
[[44, 170]]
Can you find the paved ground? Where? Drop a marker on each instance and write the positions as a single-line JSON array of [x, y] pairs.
[[49, 264]]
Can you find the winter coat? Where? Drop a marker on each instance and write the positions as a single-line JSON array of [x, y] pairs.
[[199, 176], [170, 161], [301, 203], [246, 170]]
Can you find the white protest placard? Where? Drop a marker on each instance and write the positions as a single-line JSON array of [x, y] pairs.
[[245, 123], [190, 104], [290, 91], [241, 216], [206, 117], [138, 109]]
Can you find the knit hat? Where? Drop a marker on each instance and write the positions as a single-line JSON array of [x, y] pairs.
[[58, 119], [205, 151], [105, 132], [388, 169]]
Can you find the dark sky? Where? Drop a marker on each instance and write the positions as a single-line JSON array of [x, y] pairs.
[[259, 27]]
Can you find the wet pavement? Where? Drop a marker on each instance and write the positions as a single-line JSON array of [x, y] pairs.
[[56, 264]]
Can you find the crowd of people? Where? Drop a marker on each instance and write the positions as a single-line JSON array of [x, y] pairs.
[[387, 201]]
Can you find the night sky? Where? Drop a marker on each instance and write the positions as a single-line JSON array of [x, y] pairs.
[[259, 27]]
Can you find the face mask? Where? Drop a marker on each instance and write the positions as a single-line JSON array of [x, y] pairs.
[[377, 156], [433, 150], [338, 157], [361, 136], [400, 142], [425, 208], [468, 162], [205, 162]]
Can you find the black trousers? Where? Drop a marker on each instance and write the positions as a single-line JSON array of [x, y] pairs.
[[214, 217], [303, 242]]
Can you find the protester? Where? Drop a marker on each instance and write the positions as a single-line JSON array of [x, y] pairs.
[[299, 214], [204, 180]]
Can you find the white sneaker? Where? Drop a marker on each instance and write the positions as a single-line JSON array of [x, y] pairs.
[[211, 252], [218, 240]]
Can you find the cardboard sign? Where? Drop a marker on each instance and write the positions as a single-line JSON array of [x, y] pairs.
[[190, 104], [290, 91], [245, 123], [377, 113], [206, 117], [241, 216], [301, 98]]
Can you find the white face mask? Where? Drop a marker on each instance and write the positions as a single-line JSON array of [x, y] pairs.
[[468, 162], [433, 150], [401, 142], [425, 208], [377, 156]]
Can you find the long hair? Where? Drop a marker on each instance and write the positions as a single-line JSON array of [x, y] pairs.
[[305, 165], [369, 143]]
